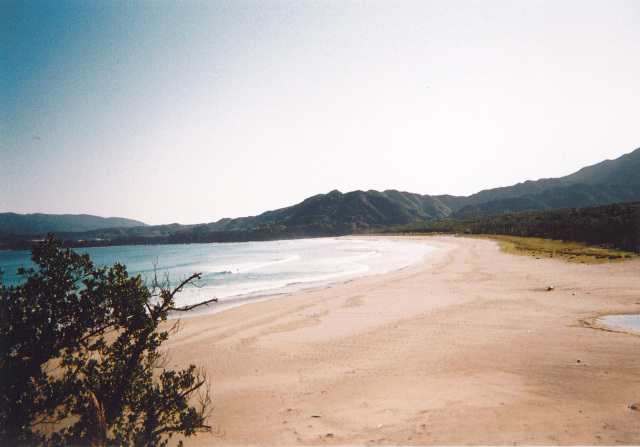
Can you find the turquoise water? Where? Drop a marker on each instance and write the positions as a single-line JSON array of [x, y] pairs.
[[236, 273], [629, 322]]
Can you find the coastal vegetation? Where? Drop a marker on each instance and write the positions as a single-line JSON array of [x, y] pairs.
[[81, 360], [576, 252], [612, 226]]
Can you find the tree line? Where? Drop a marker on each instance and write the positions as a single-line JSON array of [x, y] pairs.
[[614, 226]]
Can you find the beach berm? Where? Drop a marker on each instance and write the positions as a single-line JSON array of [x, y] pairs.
[[472, 346]]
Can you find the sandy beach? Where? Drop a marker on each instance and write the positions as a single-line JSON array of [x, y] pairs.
[[468, 347]]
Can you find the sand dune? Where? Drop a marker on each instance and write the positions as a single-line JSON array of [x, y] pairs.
[[467, 347]]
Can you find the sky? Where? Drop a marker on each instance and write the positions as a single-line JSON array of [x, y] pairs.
[[190, 111]]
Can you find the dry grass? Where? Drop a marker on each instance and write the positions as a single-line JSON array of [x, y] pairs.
[[569, 251]]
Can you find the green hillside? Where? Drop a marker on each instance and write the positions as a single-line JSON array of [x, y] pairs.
[[39, 224], [356, 212], [607, 182], [615, 226]]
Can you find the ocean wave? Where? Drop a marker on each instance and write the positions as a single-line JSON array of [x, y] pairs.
[[239, 272], [244, 267]]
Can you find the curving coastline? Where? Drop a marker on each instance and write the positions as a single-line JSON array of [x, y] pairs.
[[468, 347]]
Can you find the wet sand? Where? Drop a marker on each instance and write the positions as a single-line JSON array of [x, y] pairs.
[[467, 347]]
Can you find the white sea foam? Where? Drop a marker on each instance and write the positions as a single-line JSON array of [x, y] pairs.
[[240, 272], [317, 263], [244, 267]]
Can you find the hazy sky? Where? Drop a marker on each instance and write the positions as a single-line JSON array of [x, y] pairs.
[[190, 111]]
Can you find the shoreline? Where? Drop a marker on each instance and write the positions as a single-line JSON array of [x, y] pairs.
[[599, 323], [465, 347], [290, 289]]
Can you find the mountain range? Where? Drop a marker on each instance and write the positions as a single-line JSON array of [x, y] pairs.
[[57, 223], [335, 213]]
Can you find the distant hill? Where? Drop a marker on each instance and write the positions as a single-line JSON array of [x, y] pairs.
[[331, 214], [611, 181], [38, 224], [337, 213]]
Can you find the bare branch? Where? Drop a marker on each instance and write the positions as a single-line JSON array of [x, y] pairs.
[[185, 282], [193, 306], [175, 328], [172, 429]]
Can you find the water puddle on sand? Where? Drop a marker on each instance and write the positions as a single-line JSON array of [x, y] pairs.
[[625, 322]]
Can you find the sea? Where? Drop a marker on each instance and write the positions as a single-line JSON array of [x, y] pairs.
[[239, 273]]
